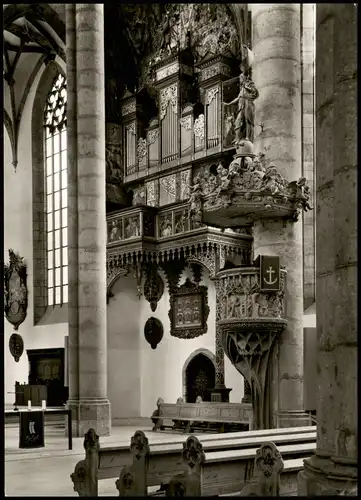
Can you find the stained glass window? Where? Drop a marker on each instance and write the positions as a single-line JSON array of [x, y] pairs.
[[56, 179]]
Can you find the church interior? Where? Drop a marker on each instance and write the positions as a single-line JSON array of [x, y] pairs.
[[180, 249]]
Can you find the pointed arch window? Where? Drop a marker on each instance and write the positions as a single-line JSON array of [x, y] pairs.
[[56, 183]]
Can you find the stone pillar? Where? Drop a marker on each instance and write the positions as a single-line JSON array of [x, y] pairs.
[[276, 73], [333, 468], [91, 408], [73, 319]]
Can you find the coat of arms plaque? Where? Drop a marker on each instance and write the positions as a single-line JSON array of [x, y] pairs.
[[15, 290]]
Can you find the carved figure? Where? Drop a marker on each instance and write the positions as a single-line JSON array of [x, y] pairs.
[[132, 228], [79, 478], [271, 180], [244, 123], [166, 226], [115, 231], [139, 197], [139, 445], [180, 225], [113, 169], [195, 200], [305, 193]]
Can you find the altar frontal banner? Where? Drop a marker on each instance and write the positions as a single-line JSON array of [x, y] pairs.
[[269, 273]]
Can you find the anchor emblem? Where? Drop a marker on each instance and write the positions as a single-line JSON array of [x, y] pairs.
[[270, 271]]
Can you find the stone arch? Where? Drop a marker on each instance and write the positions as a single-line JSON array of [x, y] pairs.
[[202, 350], [39, 214], [43, 11]]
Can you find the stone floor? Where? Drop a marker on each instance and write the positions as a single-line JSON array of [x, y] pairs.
[[45, 472]]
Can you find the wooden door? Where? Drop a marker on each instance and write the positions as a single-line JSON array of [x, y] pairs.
[[201, 377]]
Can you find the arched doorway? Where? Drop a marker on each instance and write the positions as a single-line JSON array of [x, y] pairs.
[[200, 377]]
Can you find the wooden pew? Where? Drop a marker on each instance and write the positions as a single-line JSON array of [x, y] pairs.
[[222, 473], [202, 415], [164, 460]]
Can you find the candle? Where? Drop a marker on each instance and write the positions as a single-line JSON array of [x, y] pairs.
[[43, 404], [29, 405]]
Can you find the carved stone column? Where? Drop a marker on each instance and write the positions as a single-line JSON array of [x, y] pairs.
[[276, 73], [220, 392], [333, 468], [88, 343]]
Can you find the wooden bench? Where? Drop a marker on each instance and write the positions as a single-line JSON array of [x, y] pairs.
[[226, 472], [163, 461], [203, 415]]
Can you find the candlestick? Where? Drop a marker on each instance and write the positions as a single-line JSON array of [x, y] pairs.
[[29, 405]]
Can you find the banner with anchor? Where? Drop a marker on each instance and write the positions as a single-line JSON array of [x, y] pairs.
[[269, 273]]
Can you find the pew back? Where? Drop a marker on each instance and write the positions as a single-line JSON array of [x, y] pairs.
[[236, 413]]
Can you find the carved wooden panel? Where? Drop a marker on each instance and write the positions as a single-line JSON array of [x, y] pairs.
[[167, 190], [153, 193], [142, 153], [132, 227], [189, 310], [185, 182], [198, 130], [165, 224]]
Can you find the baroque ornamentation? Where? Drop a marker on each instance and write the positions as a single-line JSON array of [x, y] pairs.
[[152, 136], [142, 148], [153, 287], [250, 181], [128, 108], [131, 127], [153, 332], [114, 170], [16, 346], [215, 69], [189, 310], [186, 122], [198, 126], [15, 290], [168, 70], [168, 95], [211, 94]]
